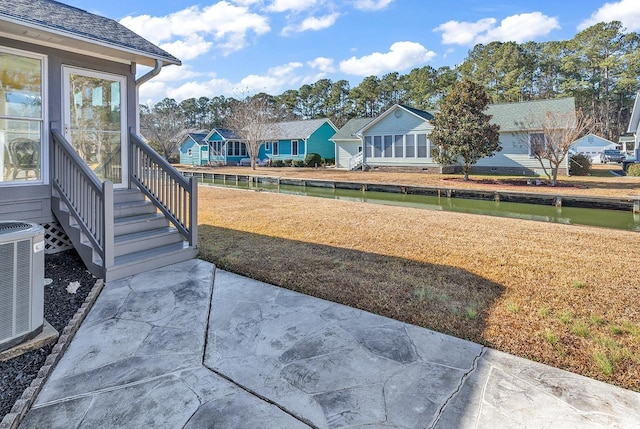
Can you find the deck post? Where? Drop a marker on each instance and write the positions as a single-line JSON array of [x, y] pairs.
[[636, 207]]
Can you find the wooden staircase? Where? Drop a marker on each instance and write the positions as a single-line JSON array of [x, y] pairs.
[[122, 232], [143, 237]]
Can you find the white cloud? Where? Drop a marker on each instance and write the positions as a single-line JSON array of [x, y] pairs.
[[291, 5], [323, 64], [372, 4], [401, 56], [463, 33], [625, 11], [272, 82], [312, 23], [517, 28], [191, 47], [227, 24]]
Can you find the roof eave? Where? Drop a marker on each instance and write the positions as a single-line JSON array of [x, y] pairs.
[[64, 40]]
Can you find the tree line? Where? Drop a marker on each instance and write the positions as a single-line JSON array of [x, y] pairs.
[[599, 66]]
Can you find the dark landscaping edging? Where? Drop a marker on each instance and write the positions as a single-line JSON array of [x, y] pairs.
[[558, 200], [21, 406]]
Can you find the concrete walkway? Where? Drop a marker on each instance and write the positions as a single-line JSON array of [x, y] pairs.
[[173, 348]]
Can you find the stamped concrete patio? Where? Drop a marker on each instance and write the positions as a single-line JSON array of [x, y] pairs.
[[189, 346]]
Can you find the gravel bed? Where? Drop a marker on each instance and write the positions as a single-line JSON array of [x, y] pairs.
[[59, 307]]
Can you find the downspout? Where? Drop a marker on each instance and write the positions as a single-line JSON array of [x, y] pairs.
[[142, 79]]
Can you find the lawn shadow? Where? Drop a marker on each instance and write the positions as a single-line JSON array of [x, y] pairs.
[[439, 297]]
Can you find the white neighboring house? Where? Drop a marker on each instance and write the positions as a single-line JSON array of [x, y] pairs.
[[634, 125], [349, 144], [399, 137], [592, 146]]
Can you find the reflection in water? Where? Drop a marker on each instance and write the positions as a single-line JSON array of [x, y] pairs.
[[617, 219]]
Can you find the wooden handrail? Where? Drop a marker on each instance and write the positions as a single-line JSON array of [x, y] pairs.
[[89, 201], [171, 192]]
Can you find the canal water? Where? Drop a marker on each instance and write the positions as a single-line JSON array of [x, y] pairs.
[[617, 219]]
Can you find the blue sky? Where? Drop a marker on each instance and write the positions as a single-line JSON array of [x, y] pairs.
[[237, 47]]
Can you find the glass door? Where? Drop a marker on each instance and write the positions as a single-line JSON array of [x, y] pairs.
[[95, 121]]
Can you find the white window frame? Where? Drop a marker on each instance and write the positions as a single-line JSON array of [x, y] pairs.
[[43, 119], [294, 144], [267, 145], [532, 133], [275, 150]]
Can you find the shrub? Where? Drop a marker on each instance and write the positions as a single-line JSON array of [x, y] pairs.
[[329, 161], [298, 163], [288, 162], [313, 160], [579, 165], [633, 170], [278, 163]]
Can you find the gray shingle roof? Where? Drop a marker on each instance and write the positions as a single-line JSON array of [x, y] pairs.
[[349, 130], [422, 113], [52, 15], [199, 138], [295, 129], [228, 134], [512, 116]]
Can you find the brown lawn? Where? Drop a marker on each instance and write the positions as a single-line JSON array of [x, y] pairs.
[[564, 295]]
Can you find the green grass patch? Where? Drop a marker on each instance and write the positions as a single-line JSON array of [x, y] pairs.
[[551, 337], [566, 316], [603, 362], [513, 307], [578, 284], [581, 330]]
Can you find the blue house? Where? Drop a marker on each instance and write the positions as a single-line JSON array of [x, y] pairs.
[[226, 147], [295, 139], [194, 149]]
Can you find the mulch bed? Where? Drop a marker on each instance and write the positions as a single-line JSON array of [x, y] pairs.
[[59, 308]]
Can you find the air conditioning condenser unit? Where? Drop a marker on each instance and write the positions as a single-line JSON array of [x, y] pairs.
[[21, 282]]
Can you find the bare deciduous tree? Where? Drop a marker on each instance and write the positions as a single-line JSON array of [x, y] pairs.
[[163, 126], [252, 120], [551, 141]]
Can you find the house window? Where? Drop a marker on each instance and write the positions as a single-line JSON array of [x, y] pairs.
[[230, 148], [388, 146], [422, 145], [189, 152], [398, 146], [377, 146], [537, 144], [275, 151], [294, 147], [266, 145], [411, 146], [22, 115], [243, 149], [433, 150], [368, 147]]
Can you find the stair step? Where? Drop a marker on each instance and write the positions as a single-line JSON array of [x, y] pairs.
[[145, 222], [124, 195], [145, 260], [133, 208], [146, 240]]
